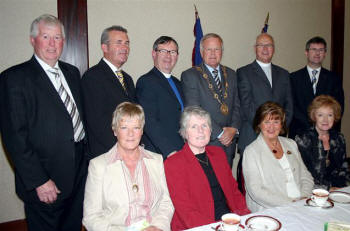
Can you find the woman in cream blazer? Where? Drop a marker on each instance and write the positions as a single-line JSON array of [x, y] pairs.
[[265, 178], [112, 198]]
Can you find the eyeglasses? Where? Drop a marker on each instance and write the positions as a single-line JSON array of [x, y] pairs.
[[165, 52], [315, 50], [264, 45], [215, 50]]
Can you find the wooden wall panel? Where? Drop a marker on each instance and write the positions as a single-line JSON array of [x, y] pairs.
[[73, 15]]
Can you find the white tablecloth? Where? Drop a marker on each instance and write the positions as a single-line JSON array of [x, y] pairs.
[[297, 217]]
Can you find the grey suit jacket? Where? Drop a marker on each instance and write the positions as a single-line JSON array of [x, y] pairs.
[[197, 92], [254, 89]]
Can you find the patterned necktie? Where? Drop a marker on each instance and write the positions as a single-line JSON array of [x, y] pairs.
[[314, 80], [217, 79], [121, 79], [79, 132]]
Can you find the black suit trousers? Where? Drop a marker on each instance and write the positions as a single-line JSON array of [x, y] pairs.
[[62, 215]]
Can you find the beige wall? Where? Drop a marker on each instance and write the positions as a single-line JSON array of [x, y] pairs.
[[292, 22]]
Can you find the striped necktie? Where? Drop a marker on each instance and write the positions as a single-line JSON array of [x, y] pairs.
[[79, 132], [217, 79], [314, 80], [121, 79]]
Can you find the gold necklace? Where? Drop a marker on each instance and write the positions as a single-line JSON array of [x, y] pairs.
[[223, 106]]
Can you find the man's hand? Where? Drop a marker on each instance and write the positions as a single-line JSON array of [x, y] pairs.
[[47, 192], [227, 136]]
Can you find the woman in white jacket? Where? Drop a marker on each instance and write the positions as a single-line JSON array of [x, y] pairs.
[[273, 170], [126, 187]]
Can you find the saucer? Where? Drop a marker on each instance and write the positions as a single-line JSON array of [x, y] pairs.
[[327, 205], [340, 197], [263, 222], [240, 228]]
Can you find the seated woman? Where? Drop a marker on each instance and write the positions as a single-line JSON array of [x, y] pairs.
[[199, 178], [273, 170], [323, 148], [126, 187]]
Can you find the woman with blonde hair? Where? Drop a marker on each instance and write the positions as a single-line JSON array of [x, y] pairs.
[[322, 147]]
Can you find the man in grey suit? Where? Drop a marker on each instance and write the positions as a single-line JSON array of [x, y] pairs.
[[213, 87], [259, 82]]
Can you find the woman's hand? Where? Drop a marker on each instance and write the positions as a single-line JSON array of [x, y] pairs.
[[152, 228]]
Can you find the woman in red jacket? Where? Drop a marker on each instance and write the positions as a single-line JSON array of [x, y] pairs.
[[199, 179]]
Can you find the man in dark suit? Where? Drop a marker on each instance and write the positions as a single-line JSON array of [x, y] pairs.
[[311, 81], [41, 114], [160, 95], [106, 85], [258, 82], [213, 87]]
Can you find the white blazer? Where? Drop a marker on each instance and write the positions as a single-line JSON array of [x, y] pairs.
[[106, 202], [265, 180]]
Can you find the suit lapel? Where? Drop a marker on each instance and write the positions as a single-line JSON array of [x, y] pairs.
[[74, 88], [322, 82], [212, 81], [261, 74], [44, 83], [113, 79], [164, 82], [306, 83]]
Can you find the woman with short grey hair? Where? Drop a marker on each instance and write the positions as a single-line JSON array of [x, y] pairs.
[[199, 178]]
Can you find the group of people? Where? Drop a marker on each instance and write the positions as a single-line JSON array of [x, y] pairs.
[[93, 147]]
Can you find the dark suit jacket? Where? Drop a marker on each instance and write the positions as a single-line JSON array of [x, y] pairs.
[[254, 89], [162, 112], [190, 190], [102, 92], [197, 92], [328, 84], [37, 130]]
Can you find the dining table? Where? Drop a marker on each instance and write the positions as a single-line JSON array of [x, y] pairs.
[[297, 216]]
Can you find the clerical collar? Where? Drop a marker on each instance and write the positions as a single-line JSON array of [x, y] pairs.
[[167, 75], [114, 68], [263, 64]]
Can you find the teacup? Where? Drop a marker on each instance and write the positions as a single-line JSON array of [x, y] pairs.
[[230, 222], [319, 196]]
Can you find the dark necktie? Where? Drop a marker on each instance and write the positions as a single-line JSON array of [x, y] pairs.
[[79, 132]]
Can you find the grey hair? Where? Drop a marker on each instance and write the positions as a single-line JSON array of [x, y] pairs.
[[47, 19], [211, 35], [105, 32], [127, 109], [186, 115]]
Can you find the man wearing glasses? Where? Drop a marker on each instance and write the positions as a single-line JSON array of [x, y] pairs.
[[258, 82], [311, 81], [160, 95], [106, 85], [213, 87]]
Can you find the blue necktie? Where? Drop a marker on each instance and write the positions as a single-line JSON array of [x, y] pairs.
[[172, 84]]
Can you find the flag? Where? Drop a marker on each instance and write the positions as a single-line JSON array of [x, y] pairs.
[[198, 34], [266, 25]]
